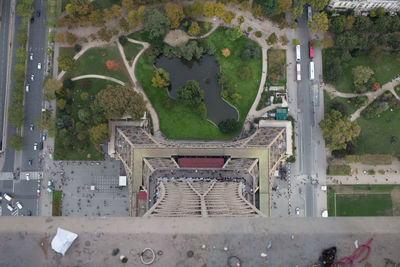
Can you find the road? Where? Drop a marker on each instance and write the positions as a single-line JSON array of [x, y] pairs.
[[33, 99], [310, 152]]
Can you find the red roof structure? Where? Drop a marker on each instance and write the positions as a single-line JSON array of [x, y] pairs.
[[201, 162], [142, 195]]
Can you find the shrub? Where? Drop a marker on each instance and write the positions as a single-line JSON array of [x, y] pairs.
[[123, 40], [249, 29], [352, 158], [77, 48], [338, 170], [381, 171], [258, 34], [228, 126], [371, 172]]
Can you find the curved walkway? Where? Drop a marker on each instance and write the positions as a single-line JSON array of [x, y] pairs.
[[331, 90], [136, 85], [95, 76]]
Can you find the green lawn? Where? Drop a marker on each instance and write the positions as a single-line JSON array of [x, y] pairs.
[[178, 121], [363, 200], [338, 170], [376, 134], [66, 51], [364, 205], [82, 149], [346, 102], [93, 61], [131, 50], [57, 197], [386, 67]]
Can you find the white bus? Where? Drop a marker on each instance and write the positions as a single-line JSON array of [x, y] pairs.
[[298, 70], [297, 53], [311, 70]]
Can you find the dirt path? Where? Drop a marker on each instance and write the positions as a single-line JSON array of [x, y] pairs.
[[331, 90], [95, 76]]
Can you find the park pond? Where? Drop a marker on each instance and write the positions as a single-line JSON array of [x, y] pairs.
[[204, 71]]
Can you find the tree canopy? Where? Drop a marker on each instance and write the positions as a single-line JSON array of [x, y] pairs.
[[98, 133], [160, 79], [319, 23], [191, 94], [318, 4], [174, 13], [338, 130], [155, 23], [117, 100], [361, 75], [228, 126], [16, 142]]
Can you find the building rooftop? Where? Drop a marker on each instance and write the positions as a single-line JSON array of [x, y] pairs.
[[294, 242]]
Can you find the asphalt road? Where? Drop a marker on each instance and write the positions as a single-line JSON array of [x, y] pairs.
[[4, 45], [33, 98], [22, 191]]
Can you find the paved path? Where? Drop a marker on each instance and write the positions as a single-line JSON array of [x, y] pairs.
[[331, 90], [136, 85], [97, 77]]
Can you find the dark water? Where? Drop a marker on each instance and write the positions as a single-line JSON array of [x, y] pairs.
[[207, 68]]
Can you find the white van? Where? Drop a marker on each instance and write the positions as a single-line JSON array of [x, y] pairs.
[[7, 197], [298, 71], [27, 88], [311, 70], [298, 57]]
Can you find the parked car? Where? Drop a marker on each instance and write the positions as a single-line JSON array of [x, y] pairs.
[[31, 127], [297, 211], [32, 77], [44, 137], [39, 66], [7, 197], [9, 207], [27, 176], [27, 86], [19, 205], [29, 163], [35, 146], [31, 56], [38, 13], [40, 145], [32, 20]]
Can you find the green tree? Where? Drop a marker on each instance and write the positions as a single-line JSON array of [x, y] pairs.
[[361, 75], [270, 7], [197, 9], [194, 29], [284, 40], [338, 24], [240, 20], [71, 38], [208, 9], [228, 126], [319, 23], [52, 84], [219, 9], [315, 43], [84, 115], [116, 10], [98, 133], [272, 39], [16, 142], [16, 115], [298, 9], [21, 54], [318, 4], [128, 4], [338, 130], [133, 19], [116, 101], [233, 33], [191, 94], [327, 41], [284, 5], [380, 12], [65, 62], [295, 42], [124, 25], [174, 13], [228, 17], [156, 24], [104, 34], [160, 79]]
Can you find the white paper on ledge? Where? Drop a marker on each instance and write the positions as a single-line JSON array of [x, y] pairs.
[[63, 240]]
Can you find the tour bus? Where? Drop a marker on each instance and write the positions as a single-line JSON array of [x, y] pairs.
[[298, 70], [311, 50], [297, 53], [311, 70]]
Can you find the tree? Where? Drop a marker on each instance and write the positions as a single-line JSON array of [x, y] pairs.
[[52, 84], [128, 4], [174, 13], [116, 101], [298, 9], [361, 75], [315, 43], [350, 23], [191, 94], [228, 17], [317, 4], [338, 24], [363, 24], [156, 24], [16, 142], [104, 34], [71, 38], [116, 10], [233, 33], [383, 24], [272, 39], [269, 7], [133, 19], [319, 23], [194, 29], [284, 40], [124, 25], [160, 79], [219, 9], [21, 54], [16, 115], [188, 50], [59, 38], [327, 41], [240, 20], [380, 12], [338, 130], [295, 42], [197, 9], [208, 9], [284, 5], [84, 115], [98, 133], [228, 126], [65, 62], [332, 70]]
